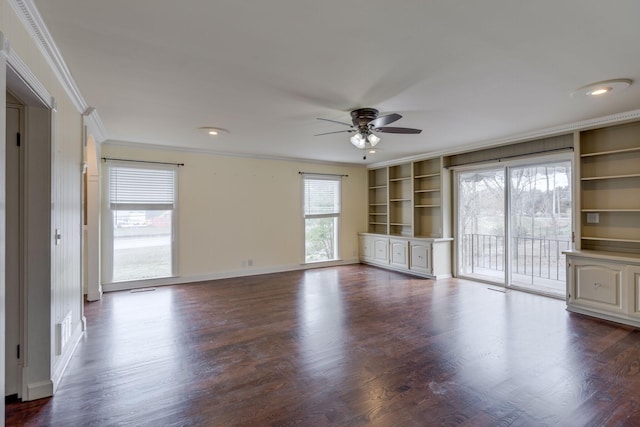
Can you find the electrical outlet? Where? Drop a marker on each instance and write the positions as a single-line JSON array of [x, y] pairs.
[[244, 264], [250, 263]]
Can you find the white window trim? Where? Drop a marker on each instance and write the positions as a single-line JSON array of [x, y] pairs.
[[305, 216]]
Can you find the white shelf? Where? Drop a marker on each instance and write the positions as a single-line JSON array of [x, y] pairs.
[[427, 191], [595, 178], [427, 206], [610, 210], [404, 178], [399, 200], [377, 187], [605, 153], [429, 175], [606, 239]]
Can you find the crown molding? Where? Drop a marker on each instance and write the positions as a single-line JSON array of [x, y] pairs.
[[35, 26], [4, 45], [612, 119], [94, 125]]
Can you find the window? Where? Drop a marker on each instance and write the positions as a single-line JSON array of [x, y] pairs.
[[140, 223], [321, 217]]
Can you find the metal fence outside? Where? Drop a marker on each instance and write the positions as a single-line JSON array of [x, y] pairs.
[[532, 256]]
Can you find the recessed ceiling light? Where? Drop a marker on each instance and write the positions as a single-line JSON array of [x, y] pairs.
[[601, 88], [372, 151], [213, 131]]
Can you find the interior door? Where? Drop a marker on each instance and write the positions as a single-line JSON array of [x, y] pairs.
[[13, 250]]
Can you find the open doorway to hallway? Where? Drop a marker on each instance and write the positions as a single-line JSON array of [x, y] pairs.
[[14, 244]]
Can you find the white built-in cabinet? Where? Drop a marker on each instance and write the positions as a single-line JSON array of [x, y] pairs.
[[603, 272], [426, 257], [409, 218], [605, 285]]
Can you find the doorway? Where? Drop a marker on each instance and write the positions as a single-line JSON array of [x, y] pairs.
[[28, 304], [514, 222], [14, 244]]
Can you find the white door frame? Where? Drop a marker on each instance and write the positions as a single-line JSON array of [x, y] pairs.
[[37, 336], [4, 48]]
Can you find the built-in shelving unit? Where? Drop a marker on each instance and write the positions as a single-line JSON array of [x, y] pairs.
[[429, 184], [604, 269], [410, 200], [609, 164], [409, 218], [400, 220], [378, 205]]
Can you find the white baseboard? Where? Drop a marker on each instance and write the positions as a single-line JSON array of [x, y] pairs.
[[138, 284], [67, 353], [38, 390], [94, 295]]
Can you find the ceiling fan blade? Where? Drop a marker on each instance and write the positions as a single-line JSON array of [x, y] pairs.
[[385, 120], [338, 131], [334, 121], [397, 130]]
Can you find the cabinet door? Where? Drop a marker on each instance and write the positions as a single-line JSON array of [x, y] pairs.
[[366, 247], [381, 250], [400, 253], [634, 286], [597, 285], [420, 257]]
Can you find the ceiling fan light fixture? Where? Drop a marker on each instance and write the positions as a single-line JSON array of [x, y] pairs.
[[358, 140], [373, 139]]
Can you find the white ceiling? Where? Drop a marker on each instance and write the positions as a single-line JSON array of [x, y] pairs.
[[463, 71]]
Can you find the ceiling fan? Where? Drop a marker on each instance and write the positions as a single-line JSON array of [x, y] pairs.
[[365, 122]]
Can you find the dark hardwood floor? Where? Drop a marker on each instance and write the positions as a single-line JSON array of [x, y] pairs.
[[348, 346]]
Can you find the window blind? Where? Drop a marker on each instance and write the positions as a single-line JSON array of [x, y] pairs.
[[141, 188], [520, 149], [321, 195]]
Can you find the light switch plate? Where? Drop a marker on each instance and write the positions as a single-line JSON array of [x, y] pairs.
[[593, 218]]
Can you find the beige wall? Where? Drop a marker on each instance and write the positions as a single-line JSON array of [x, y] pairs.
[[63, 292], [233, 209]]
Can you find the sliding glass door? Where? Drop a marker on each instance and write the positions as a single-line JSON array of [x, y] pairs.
[[540, 206], [513, 224], [481, 224]]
